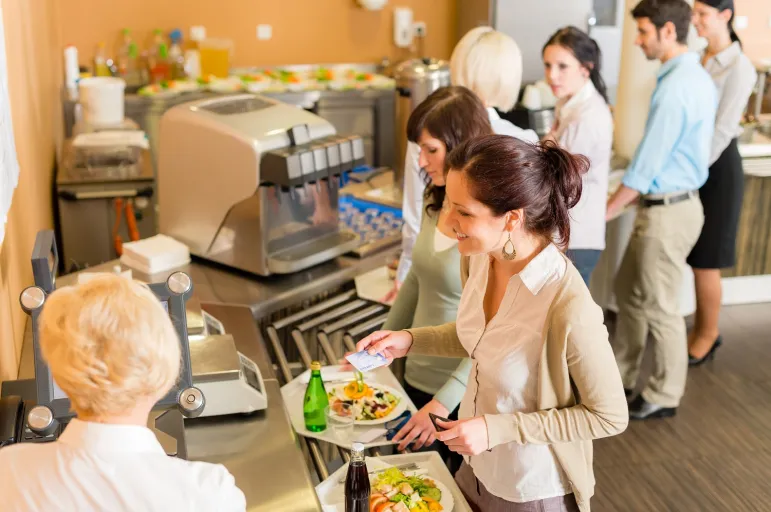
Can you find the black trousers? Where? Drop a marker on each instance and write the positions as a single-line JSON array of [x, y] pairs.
[[420, 399]]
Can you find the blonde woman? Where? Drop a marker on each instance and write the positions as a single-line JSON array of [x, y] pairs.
[[112, 349], [490, 64]]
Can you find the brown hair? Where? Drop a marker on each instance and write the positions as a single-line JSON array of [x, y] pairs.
[[507, 174], [660, 12], [451, 114]]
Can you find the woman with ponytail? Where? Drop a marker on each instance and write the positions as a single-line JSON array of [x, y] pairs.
[[722, 194], [584, 126], [543, 381]]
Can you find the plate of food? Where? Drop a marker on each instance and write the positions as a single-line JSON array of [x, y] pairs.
[[394, 491], [373, 403]]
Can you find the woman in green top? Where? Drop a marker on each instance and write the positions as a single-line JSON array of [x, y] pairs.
[[431, 291]]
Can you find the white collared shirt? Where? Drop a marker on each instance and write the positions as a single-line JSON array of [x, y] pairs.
[[505, 357], [415, 185], [584, 125], [735, 77], [99, 467]]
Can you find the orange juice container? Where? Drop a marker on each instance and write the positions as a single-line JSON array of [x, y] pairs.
[[214, 55]]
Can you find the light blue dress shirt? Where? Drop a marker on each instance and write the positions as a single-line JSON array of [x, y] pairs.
[[674, 153]]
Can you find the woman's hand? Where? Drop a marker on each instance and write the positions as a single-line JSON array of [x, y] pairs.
[[391, 344], [420, 429], [466, 437]]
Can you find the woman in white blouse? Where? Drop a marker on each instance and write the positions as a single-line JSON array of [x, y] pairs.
[[543, 382], [583, 125], [722, 194], [490, 64]]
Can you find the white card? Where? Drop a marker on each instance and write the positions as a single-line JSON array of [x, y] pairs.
[[364, 362]]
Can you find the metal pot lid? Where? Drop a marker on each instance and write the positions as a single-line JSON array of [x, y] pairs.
[[417, 69]]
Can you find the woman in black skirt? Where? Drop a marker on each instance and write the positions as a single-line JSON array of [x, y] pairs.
[[721, 195]]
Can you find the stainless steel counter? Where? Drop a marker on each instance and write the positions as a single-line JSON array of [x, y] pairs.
[[262, 450]]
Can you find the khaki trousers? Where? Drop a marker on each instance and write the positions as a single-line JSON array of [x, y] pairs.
[[647, 289]]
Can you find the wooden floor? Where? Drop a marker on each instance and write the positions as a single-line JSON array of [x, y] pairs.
[[715, 455]]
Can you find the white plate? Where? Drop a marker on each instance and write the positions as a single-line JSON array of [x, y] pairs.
[[333, 499], [400, 407], [293, 395]]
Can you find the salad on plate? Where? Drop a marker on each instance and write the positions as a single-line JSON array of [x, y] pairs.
[[369, 401], [393, 491]]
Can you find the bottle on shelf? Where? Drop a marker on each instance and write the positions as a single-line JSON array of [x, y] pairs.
[[316, 401], [100, 62], [128, 61], [71, 71], [158, 59], [357, 487], [176, 56]]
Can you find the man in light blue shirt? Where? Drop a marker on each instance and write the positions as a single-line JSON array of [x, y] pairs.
[[670, 165]]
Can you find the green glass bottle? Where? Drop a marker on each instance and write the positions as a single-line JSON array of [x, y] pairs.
[[316, 401]]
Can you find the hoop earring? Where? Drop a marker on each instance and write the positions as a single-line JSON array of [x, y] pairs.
[[509, 254]]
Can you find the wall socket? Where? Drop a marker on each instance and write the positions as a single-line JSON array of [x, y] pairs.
[[264, 32], [197, 33], [419, 28], [741, 22]]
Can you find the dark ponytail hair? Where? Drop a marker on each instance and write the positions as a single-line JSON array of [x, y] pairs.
[[585, 50], [505, 174], [722, 5], [450, 114]]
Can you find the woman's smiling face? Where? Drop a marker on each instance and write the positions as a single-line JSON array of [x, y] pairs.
[[477, 228]]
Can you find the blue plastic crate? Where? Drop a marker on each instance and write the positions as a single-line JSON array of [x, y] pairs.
[[363, 205]]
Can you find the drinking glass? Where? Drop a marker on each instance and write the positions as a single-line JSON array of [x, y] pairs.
[[340, 421]]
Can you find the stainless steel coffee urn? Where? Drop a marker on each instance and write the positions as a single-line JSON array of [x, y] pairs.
[[415, 80]]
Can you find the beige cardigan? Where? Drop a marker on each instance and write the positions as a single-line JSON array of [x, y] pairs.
[[580, 394]]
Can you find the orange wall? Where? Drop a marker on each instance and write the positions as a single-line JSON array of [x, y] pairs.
[[32, 44], [756, 38], [304, 31]]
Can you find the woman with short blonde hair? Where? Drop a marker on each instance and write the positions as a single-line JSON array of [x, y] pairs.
[[489, 63], [112, 349], [110, 345]]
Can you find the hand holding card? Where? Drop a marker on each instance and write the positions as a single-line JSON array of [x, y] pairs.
[[391, 344], [365, 362]]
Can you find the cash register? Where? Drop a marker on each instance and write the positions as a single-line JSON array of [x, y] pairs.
[[43, 418]]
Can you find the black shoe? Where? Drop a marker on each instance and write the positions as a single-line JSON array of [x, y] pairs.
[[695, 361], [639, 409], [629, 394]]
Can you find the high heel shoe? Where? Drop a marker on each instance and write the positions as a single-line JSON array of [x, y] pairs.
[[696, 361]]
